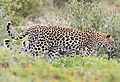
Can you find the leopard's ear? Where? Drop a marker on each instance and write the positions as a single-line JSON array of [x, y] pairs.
[[108, 36]]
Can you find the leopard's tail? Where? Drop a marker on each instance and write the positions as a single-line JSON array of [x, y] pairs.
[[6, 44], [15, 37], [6, 41]]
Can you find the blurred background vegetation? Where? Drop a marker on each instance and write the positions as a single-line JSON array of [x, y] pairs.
[[101, 15]]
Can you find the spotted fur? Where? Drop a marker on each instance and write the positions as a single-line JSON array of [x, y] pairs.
[[55, 41]]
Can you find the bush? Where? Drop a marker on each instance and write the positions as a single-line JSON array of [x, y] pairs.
[[24, 8], [19, 9]]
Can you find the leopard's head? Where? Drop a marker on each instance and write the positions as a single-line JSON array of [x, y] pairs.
[[108, 42]]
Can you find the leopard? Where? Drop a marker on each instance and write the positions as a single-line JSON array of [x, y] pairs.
[[56, 42]]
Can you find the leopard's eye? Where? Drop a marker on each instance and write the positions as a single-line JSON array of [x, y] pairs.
[[108, 36]]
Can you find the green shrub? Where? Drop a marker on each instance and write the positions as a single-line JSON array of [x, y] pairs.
[[23, 8], [19, 9]]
